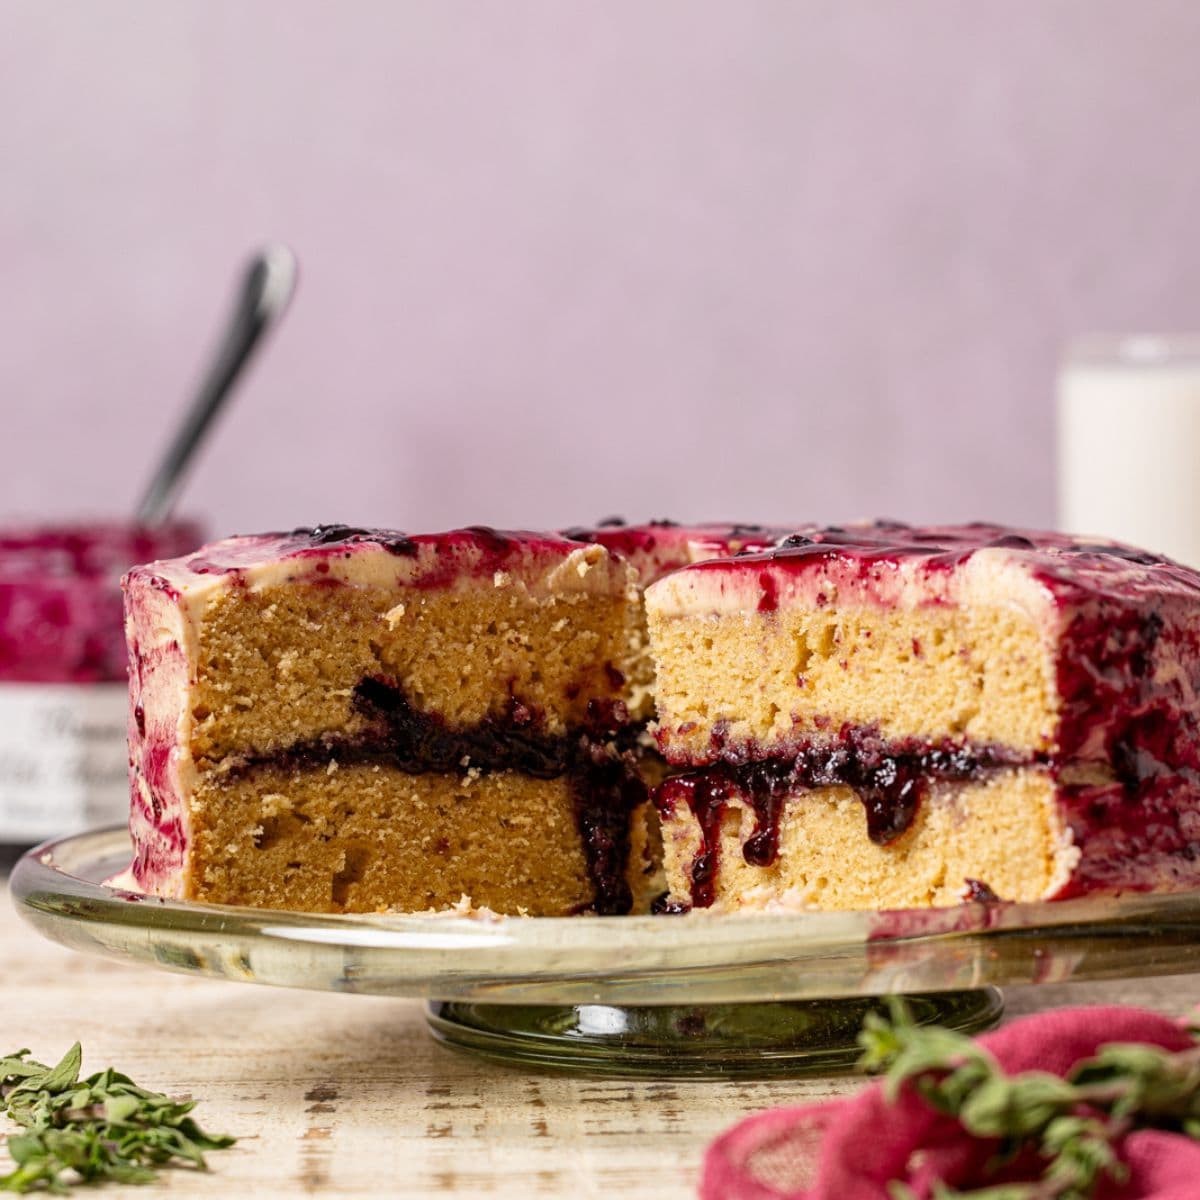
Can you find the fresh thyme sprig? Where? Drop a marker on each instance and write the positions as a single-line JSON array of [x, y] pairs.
[[89, 1130], [1071, 1125]]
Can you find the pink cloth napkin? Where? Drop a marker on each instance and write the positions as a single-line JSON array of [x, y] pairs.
[[850, 1149]]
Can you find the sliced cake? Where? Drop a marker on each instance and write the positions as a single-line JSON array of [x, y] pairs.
[[881, 716], [340, 719]]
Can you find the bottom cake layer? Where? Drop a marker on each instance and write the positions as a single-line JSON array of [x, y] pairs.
[[367, 837], [1002, 835]]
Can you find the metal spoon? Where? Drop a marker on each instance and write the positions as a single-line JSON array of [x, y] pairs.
[[266, 289]]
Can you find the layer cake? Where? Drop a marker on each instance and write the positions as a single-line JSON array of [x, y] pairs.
[[881, 716], [339, 719]]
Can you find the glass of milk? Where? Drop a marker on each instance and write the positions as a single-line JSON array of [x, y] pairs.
[[1129, 442]]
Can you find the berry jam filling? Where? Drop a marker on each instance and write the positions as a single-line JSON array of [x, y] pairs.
[[889, 779], [597, 759]]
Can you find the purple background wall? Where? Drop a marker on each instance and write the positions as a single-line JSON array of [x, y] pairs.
[[764, 260]]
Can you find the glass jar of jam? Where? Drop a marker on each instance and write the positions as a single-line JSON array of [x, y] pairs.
[[63, 692]]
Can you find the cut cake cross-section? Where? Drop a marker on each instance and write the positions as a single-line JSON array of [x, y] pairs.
[[881, 716], [340, 719]]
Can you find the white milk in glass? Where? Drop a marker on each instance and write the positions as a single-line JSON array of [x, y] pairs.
[[1129, 442]]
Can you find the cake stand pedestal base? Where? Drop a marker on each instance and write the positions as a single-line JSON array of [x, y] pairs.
[[708, 1041]]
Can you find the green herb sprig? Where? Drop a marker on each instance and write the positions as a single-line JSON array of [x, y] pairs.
[[1072, 1125], [89, 1130]]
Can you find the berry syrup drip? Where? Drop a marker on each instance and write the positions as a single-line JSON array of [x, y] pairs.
[[597, 759], [889, 779], [979, 892], [1133, 841], [606, 790]]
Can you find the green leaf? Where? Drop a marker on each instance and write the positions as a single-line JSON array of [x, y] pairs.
[[105, 1128], [122, 1173], [15, 1066], [66, 1074], [954, 1089], [1016, 1107], [23, 1147], [119, 1109]]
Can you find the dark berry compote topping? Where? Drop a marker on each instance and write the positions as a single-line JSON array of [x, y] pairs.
[[329, 535], [1063, 562]]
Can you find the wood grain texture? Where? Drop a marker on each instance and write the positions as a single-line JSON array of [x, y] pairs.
[[340, 1095]]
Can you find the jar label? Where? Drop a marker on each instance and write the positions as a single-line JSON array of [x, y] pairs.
[[64, 766]]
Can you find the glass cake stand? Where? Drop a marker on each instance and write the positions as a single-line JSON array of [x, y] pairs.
[[701, 995]]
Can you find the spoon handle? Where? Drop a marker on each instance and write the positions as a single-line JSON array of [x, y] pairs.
[[266, 289]]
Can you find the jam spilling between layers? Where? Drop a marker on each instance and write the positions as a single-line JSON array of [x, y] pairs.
[[889, 778], [597, 759]]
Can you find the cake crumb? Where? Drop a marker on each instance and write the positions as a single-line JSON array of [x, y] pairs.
[[274, 803]]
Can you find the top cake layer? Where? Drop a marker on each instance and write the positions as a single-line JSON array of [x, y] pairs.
[[975, 634], [249, 618], [259, 583]]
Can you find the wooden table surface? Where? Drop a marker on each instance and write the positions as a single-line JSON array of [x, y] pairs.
[[342, 1095]]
